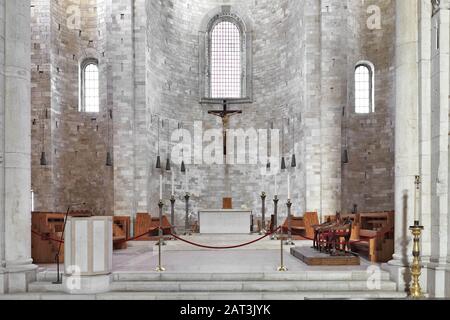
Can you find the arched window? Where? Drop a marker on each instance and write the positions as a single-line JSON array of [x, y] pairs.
[[225, 52], [225, 60], [89, 84], [364, 88]]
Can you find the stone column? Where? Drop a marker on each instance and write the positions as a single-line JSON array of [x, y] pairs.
[[438, 274], [17, 266], [406, 133]]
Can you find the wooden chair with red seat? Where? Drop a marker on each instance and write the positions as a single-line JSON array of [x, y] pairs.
[[340, 237]]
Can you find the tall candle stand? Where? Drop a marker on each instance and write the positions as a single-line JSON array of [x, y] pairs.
[[172, 214], [289, 241], [187, 228], [416, 267], [275, 216], [160, 231], [263, 213]]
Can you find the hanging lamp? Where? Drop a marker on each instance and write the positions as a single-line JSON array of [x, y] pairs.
[[158, 158], [43, 160], [168, 168]]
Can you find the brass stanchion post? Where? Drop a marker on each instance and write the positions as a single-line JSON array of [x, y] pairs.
[[160, 232], [282, 267], [275, 217], [159, 268]]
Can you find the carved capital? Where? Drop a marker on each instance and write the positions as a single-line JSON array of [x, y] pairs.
[[436, 6], [439, 5]]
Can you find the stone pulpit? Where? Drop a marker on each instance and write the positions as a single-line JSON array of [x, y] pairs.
[[88, 255]]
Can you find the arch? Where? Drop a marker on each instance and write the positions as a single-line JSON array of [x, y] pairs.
[[238, 70], [89, 86], [364, 78]]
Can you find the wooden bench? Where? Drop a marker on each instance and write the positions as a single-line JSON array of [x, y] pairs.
[[302, 226], [49, 225], [121, 232], [374, 233], [145, 222]]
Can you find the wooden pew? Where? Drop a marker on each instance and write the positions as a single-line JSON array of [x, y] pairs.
[[121, 232], [142, 224], [311, 219], [375, 235], [49, 225], [145, 222], [302, 226]]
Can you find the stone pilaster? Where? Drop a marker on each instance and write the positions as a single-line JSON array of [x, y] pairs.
[[333, 98], [17, 269], [438, 274], [406, 133], [120, 51]]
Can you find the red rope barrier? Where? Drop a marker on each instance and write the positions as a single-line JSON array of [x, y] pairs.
[[226, 247], [45, 237], [137, 237]]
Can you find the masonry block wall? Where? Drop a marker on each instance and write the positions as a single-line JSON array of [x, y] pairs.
[[368, 177], [75, 143], [2, 129]]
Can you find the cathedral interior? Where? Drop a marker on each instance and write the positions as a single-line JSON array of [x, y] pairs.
[[163, 149]]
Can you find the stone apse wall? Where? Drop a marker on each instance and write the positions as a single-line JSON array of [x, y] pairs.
[[149, 53], [368, 177], [75, 143]]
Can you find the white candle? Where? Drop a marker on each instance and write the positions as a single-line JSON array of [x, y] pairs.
[[186, 182], [160, 186], [173, 184], [416, 200], [276, 185], [289, 185]]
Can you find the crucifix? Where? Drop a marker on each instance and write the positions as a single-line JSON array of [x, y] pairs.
[[224, 114]]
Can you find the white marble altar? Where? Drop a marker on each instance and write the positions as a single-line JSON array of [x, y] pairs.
[[223, 221]]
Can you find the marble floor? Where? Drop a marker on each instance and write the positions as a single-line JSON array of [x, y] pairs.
[[177, 256]]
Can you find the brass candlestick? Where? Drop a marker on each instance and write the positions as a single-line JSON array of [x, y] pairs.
[[172, 214], [263, 213], [289, 241], [275, 217], [187, 231], [416, 267]]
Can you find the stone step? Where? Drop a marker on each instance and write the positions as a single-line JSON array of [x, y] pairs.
[[255, 296], [257, 276], [44, 286], [247, 286], [243, 296], [50, 276]]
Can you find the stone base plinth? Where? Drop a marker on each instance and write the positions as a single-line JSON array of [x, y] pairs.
[[15, 278], [315, 258], [87, 284]]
